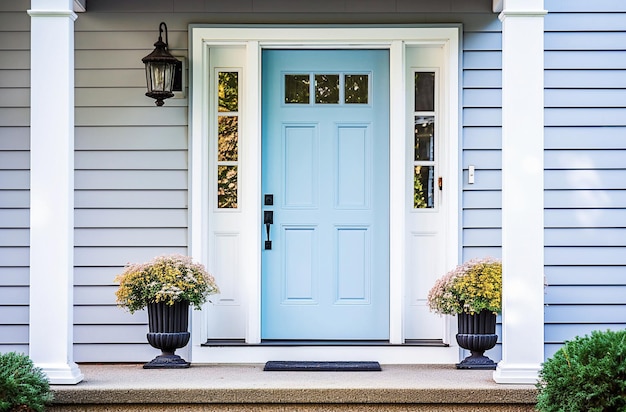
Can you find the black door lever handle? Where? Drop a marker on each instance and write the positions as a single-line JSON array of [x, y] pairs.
[[268, 219]]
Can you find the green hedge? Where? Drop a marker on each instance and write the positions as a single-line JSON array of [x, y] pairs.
[[23, 387], [586, 374]]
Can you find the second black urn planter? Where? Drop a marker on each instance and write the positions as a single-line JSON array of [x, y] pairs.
[[168, 326], [477, 333]]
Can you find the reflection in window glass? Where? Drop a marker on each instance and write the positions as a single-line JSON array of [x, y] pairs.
[[297, 88], [228, 91], [357, 88], [424, 91], [423, 187], [424, 138], [227, 136], [327, 88], [227, 187]]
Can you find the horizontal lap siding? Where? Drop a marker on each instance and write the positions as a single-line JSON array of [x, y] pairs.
[[14, 175], [585, 159], [481, 145], [131, 170], [481, 141], [131, 178]]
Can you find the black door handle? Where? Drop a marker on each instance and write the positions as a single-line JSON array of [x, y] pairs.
[[268, 219]]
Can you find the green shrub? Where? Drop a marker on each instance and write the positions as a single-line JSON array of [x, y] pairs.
[[23, 387], [586, 374]]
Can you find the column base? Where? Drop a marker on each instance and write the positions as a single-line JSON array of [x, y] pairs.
[[519, 373], [61, 374]]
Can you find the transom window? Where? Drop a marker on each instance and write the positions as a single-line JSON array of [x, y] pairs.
[[327, 88]]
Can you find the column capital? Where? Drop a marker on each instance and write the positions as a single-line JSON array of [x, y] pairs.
[[52, 13], [51, 4], [512, 6]]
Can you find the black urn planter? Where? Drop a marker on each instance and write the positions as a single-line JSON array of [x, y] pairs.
[[477, 333], [168, 332]]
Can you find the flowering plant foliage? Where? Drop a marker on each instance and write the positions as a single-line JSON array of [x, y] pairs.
[[168, 279], [474, 286]]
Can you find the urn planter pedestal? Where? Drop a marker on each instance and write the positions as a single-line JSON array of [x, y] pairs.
[[168, 326], [477, 333]]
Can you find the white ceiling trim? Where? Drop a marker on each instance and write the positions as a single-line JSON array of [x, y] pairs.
[[497, 6]]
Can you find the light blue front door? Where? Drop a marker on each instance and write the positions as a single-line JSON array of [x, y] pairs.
[[326, 166]]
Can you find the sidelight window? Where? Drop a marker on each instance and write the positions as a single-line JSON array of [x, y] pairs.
[[424, 156], [227, 139]]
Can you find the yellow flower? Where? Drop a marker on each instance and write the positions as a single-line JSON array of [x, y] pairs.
[[166, 279], [471, 287]]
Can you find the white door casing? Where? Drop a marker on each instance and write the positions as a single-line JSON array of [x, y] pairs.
[[229, 242]]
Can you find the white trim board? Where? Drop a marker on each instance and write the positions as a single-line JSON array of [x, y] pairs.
[[252, 40]]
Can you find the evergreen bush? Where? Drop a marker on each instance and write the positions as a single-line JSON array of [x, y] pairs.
[[23, 387], [586, 374]]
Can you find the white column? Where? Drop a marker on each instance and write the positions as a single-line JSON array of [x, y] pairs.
[[52, 189], [522, 192]]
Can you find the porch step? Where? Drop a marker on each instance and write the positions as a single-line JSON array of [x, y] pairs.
[[130, 388]]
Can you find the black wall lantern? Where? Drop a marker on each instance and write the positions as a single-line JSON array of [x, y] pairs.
[[160, 69]]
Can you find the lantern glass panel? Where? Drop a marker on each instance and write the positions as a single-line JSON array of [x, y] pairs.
[[160, 76]]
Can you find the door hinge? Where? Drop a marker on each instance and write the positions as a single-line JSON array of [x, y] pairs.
[[440, 182]]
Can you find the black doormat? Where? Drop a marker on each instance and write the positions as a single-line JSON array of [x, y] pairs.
[[296, 366]]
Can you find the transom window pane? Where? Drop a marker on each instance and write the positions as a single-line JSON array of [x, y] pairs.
[[228, 92], [297, 88], [424, 138], [424, 91], [327, 88], [357, 88]]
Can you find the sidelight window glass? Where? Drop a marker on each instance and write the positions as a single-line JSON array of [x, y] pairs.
[[425, 142], [227, 138]]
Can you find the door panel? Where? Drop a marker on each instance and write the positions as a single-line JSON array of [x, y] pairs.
[[326, 162]]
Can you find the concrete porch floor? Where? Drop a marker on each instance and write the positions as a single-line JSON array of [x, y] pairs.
[[246, 387]]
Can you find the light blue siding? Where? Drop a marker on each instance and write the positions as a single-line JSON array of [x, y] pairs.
[[489, 138], [131, 161], [131, 169], [14, 175], [131, 179], [588, 137], [585, 196], [582, 22], [581, 199], [585, 161], [591, 98], [581, 79], [481, 135]]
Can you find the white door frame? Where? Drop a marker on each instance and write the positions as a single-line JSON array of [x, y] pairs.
[[253, 39]]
